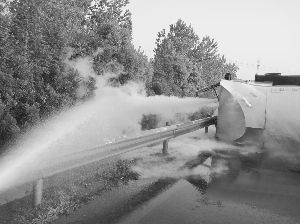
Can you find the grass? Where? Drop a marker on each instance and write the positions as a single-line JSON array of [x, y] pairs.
[[68, 194]]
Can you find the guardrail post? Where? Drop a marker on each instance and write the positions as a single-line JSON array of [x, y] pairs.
[[165, 143], [37, 192], [206, 129]]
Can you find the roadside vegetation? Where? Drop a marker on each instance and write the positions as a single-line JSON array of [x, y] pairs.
[[66, 192], [38, 36]]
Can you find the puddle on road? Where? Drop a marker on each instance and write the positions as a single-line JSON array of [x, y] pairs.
[[245, 193], [252, 197]]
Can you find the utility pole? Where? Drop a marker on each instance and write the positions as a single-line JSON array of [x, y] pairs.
[[257, 67]]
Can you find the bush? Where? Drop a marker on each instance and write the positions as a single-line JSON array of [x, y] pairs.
[[149, 121], [202, 113]]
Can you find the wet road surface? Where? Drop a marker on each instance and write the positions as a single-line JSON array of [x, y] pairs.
[[246, 193]]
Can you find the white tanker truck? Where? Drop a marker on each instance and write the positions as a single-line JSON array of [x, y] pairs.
[[264, 113]]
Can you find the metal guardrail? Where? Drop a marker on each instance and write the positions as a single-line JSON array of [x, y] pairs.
[[101, 152]]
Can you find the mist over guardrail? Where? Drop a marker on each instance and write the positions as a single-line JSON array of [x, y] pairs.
[[74, 160]]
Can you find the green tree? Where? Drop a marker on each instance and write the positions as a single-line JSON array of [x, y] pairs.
[[182, 63], [112, 32], [36, 36]]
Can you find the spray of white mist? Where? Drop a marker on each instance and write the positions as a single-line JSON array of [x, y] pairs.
[[112, 112], [183, 150], [282, 133]]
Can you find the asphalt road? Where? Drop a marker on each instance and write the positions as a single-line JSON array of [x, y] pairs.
[[249, 192]]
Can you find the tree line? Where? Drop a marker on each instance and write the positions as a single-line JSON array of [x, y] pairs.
[[36, 37]]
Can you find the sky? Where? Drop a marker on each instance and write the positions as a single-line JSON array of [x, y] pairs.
[[247, 31]]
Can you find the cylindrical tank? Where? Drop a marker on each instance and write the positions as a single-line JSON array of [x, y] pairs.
[[260, 114]]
